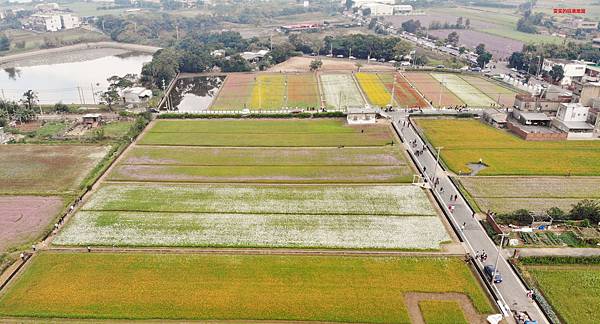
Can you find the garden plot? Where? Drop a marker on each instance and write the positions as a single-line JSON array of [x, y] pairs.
[[266, 133], [374, 89], [400, 200], [466, 92], [404, 94], [232, 287], [507, 194], [235, 93], [340, 91], [46, 169], [22, 218], [253, 230], [506, 154], [302, 91], [433, 91], [269, 92], [496, 92]]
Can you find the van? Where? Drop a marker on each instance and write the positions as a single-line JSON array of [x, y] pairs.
[[489, 271]]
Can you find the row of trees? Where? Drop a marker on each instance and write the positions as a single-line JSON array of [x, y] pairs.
[[460, 24], [23, 111], [587, 211], [366, 46]]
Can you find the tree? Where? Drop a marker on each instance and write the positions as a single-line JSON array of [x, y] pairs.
[[411, 26], [402, 48], [462, 50], [453, 38], [586, 209], [420, 59], [4, 117], [316, 64], [24, 114], [30, 99], [61, 108], [235, 63], [163, 67], [557, 73], [349, 4], [484, 59], [4, 43], [124, 82], [467, 23], [109, 97], [516, 60], [366, 11], [480, 49]]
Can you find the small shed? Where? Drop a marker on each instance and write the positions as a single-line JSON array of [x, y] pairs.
[[361, 116], [136, 95], [540, 220], [92, 120]]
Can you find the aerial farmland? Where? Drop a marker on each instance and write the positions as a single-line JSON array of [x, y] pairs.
[[331, 186]]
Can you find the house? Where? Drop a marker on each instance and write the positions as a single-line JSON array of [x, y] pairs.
[[379, 9], [49, 23], [360, 3], [573, 70], [580, 24], [495, 117], [548, 101], [589, 92], [531, 118], [92, 120], [254, 56], [403, 9], [218, 53], [358, 116], [572, 118], [69, 21], [135, 95], [533, 126]]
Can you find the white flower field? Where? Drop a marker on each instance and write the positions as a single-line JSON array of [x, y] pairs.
[[254, 230]]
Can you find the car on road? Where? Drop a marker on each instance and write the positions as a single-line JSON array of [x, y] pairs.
[[490, 271], [352, 57], [340, 56]]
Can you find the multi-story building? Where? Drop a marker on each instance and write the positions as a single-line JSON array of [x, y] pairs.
[[573, 70], [573, 119], [43, 22]]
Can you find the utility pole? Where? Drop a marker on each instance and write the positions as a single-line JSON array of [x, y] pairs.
[[3, 97], [437, 162], [499, 250], [93, 94], [350, 54], [271, 40]]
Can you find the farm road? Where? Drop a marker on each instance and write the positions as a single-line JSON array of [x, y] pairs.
[[412, 303], [511, 289]]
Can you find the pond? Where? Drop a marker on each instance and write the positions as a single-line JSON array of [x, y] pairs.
[[71, 82], [195, 94]]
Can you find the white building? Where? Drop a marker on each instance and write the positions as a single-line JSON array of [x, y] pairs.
[[46, 22], [47, 6], [572, 118], [135, 95], [357, 116], [360, 3], [69, 21], [378, 9], [402, 9], [573, 70]]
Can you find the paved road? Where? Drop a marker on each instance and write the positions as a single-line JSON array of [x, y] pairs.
[[476, 239]]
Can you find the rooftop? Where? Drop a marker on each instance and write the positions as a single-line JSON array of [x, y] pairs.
[[535, 116]]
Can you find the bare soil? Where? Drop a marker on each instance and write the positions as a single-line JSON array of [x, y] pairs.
[[23, 218], [301, 64]]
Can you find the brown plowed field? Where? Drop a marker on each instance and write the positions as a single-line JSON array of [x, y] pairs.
[[235, 93], [405, 92], [22, 218], [431, 88]]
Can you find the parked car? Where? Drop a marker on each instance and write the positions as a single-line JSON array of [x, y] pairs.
[[382, 60], [440, 66], [490, 271], [340, 56], [476, 69], [352, 57]]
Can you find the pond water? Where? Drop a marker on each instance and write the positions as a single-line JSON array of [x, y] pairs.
[[75, 82], [195, 94]]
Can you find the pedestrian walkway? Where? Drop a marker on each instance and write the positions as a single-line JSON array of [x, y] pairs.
[[512, 291]]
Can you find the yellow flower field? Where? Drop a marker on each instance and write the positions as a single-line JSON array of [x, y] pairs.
[[269, 92], [374, 89], [232, 287]]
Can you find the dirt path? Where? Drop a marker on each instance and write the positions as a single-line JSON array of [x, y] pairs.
[[412, 303]]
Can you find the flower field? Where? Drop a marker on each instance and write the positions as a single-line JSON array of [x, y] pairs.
[[302, 91], [269, 92], [496, 92], [504, 194], [340, 90], [253, 230], [571, 289], [401, 200], [404, 94], [235, 93], [232, 287], [465, 91], [46, 169], [374, 89], [265, 133], [466, 141], [433, 90]]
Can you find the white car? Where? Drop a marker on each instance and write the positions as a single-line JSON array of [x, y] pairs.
[[352, 58], [340, 56]]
